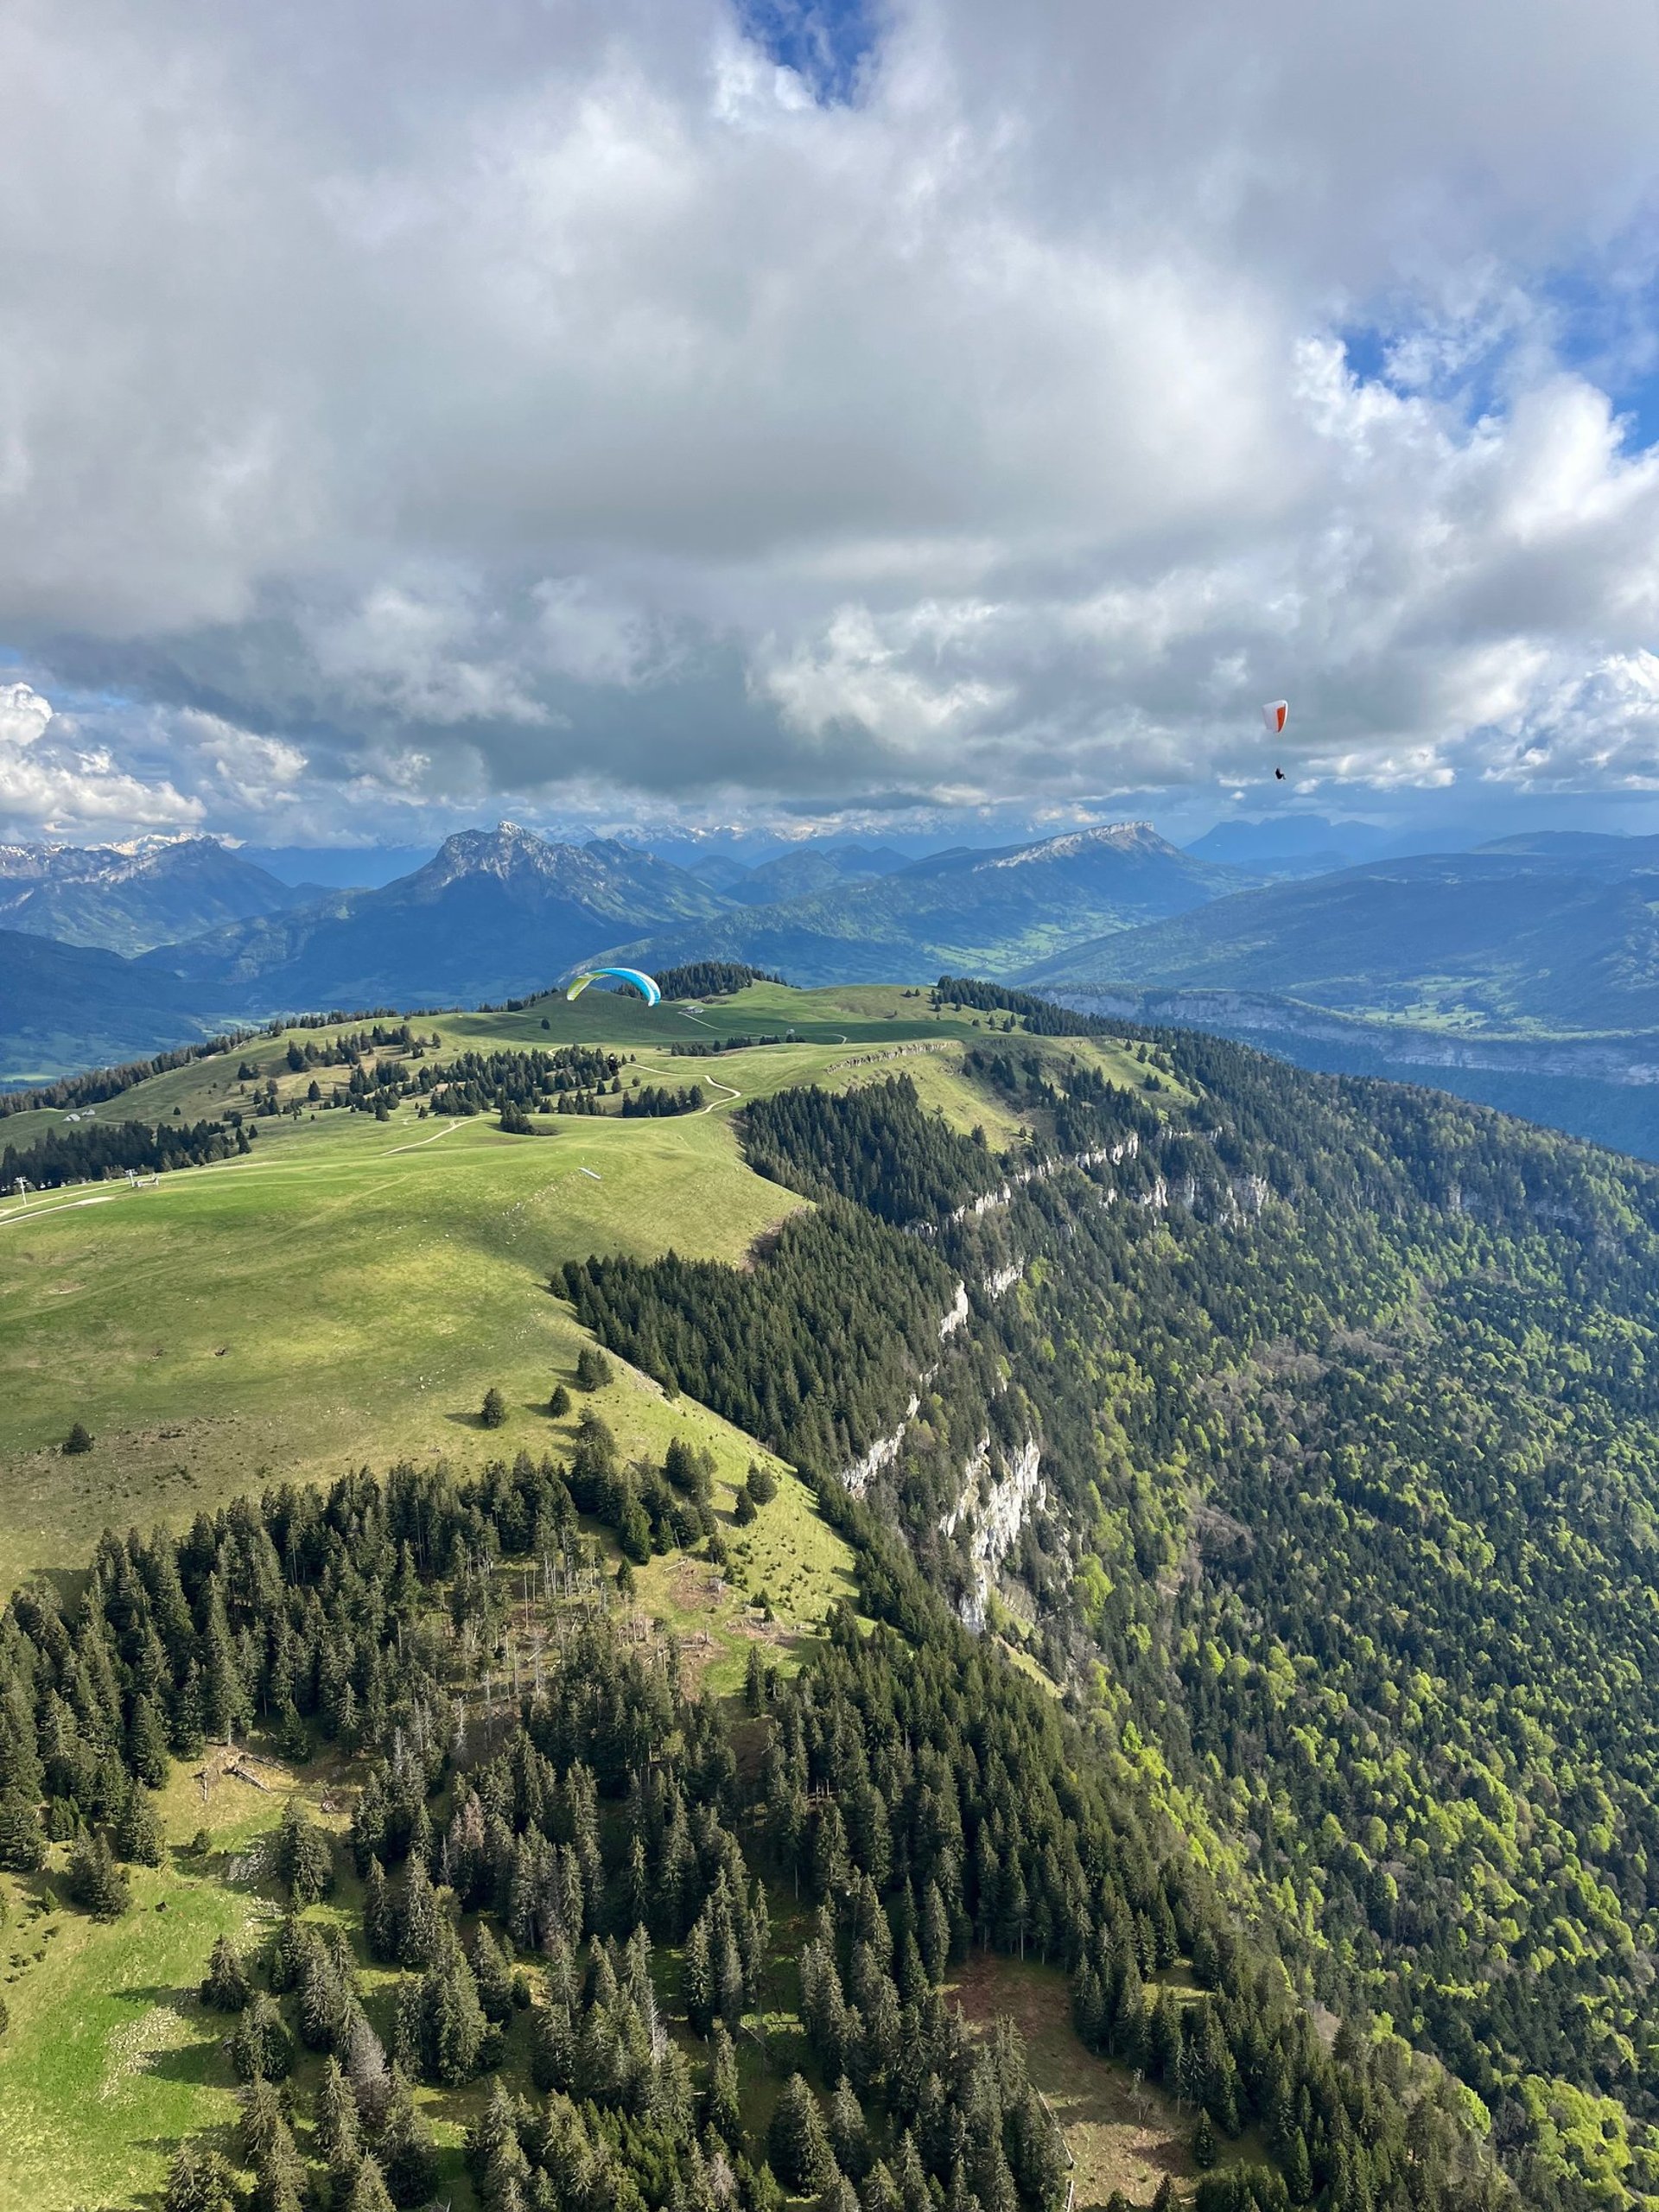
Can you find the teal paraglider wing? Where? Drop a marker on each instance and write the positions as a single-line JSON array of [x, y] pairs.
[[643, 983]]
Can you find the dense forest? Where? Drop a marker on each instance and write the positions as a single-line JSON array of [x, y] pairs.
[[1301, 1428], [91, 1150], [711, 979], [1345, 1401], [584, 1873]]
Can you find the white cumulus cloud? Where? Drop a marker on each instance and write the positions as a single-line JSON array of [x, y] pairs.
[[531, 402]]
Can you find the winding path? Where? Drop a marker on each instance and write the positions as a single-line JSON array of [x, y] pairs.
[[67, 1205], [393, 1150]]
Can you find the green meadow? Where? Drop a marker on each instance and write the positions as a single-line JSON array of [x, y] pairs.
[[346, 1295]]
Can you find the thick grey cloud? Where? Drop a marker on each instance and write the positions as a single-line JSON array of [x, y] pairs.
[[406, 407]]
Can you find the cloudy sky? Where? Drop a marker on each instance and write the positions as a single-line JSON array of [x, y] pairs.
[[634, 409]]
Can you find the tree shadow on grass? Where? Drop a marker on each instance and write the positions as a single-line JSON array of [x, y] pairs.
[[66, 1584], [201, 2061], [221, 2136]]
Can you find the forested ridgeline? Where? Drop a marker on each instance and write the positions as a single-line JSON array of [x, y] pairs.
[[384, 1064], [604, 1890], [711, 979], [876, 1146], [100, 1084], [1345, 1402], [574, 1079], [90, 1152], [814, 1350]]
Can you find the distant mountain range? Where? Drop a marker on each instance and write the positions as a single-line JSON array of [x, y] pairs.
[[129, 898], [67, 1007], [493, 913], [1525, 973], [1541, 934], [801, 873], [1524, 976], [977, 912]]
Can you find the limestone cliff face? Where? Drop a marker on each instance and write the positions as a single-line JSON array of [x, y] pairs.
[[996, 1497], [882, 1453]]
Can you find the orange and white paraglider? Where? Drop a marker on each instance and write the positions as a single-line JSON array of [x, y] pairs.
[[1275, 715]]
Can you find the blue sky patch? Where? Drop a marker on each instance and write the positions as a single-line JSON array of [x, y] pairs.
[[826, 43]]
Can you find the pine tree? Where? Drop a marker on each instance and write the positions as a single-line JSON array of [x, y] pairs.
[[421, 1927], [721, 2109], [634, 1532], [849, 2137], [22, 1844], [495, 1979], [830, 1863], [1203, 2143], [293, 1737], [592, 1369], [290, 1952], [323, 2001], [188, 1727], [304, 1860], [452, 2020], [494, 1412], [367, 2072], [339, 2143], [728, 1975], [754, 1683], [93, 1879], [369, 2191], [199, 2181], [935, 1933], [261, 2049], [380, 1913], [138, 1832], [227, 1989], [268, 2147], [796, 2141], [226, 1705], [147, 1743], [697, 1979], [1299, 2169], [1128, 2036], [408, 2028], [404, 2151]]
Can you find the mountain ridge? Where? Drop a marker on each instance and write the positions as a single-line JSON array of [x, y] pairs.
[[64, 1007], [493, 913], [1498, 939], [128, 898], [971, 906]]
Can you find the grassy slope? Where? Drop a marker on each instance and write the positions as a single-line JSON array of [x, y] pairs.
[[1122, 2133], [109, 2057], [347, 1293], [365, 1295]]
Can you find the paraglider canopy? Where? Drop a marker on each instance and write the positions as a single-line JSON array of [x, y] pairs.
[[1274, 717], [642, 983]]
